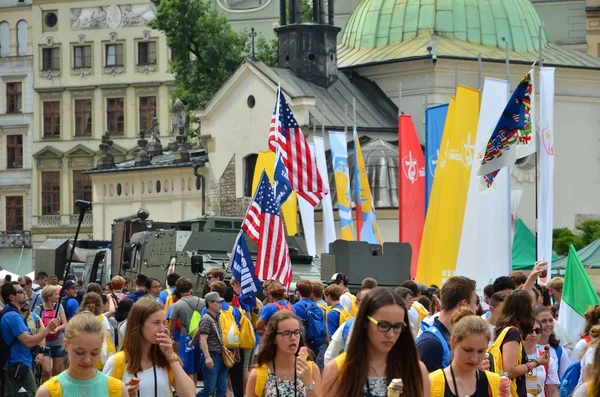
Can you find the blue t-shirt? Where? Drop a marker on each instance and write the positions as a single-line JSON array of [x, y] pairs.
[[237, 314], [333, 319], [430, 348], [136, 295], [71, 307], [176, 332], [11, 326], [268, 310], [164, 295]]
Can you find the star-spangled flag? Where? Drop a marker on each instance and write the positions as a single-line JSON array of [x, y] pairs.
[[513, 128], [285, 134], [273, 259], [282, 185], [242, 268]]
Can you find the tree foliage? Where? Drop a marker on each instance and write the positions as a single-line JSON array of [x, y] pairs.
[[585, 233]]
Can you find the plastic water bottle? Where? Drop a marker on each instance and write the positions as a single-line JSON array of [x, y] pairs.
[[504, 386], [188, 348]]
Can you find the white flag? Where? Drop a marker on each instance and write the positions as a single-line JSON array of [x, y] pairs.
[[486, 225], [546, 171], [328, 222]]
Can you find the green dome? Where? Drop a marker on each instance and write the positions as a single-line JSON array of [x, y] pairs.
[[377, 23]]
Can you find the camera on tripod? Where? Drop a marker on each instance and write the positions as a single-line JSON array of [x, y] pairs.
[[35, 350]]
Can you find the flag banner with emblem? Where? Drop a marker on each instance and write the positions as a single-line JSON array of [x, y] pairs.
[[285, 134], [411, 185], [307, 215], [487, 213], [513, 128], [546, 192], [445, 215], [435, 119], [273, 258], [242, 268], [578, 295], [329, 235], [341, 174], [266, 162], [366, 220]]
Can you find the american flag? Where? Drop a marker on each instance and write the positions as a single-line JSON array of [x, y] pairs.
[[302, 169], [273, 259]]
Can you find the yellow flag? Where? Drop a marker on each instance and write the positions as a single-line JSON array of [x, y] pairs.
[[445, 215], [289, 209]]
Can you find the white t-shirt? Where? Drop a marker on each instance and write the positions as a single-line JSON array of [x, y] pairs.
[[578, 349], [537, 379], [587, 359], [147, 383], [564, 361], [346, 301], [121, 328], [413, 318]]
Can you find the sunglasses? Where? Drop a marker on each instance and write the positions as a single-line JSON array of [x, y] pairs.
[[385, 326], [536, 331], [19, 291]]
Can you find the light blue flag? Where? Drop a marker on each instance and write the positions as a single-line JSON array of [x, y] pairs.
[[339, 160], [242, 268], [435, 119]]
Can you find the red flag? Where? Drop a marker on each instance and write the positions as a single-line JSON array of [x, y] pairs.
[[411, 188]]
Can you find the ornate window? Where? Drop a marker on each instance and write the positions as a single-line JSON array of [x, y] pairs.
[[147, 112], [14, 97], [14, 214], [146, 53], [82, 56], [113, 55], [51, 193], [22, 38], [83, 117], [115, 115], [82, 188], [14, 151], [51, 58], [51, 119], [4, 39]]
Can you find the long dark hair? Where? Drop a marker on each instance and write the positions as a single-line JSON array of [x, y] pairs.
[[517, 312], [402, 360], [268, 348], [552, 341]]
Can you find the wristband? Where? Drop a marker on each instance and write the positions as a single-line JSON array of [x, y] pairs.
[[528, 368], [537, 363]]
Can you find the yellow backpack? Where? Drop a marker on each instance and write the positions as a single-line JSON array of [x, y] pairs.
[[344, 314], [423, 313], [254, 315], [247, 337], [353, 307], [55, 390], [119, 368], [231, 332], [438, 383], [169, 300], [496, 357], [262, 374], [108, 347]]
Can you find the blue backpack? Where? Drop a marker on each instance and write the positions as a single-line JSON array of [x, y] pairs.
[[346, 331], [314, 325], [569, 381], [446, 355]]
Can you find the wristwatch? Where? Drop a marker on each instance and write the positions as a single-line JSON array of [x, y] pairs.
[[311, 386]]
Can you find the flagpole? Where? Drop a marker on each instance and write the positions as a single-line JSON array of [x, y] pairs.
[[354, 110], [426, 95], [322, 127], [346, 118], [537, 146], [455, 78], [479, 86], [507, 66], [399, 98]]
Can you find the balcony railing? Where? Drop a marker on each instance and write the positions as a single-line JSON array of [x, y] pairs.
[[62, 220], [15, 240]]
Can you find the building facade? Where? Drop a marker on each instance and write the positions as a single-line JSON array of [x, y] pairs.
[[98, 70], [16, 134]]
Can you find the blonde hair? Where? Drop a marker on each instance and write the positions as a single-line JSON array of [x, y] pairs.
[[556, 283], [91, 302], [49, 290], [82, 323], [465, 323]]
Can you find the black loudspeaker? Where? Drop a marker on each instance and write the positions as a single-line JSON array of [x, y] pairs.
[[197, 262]]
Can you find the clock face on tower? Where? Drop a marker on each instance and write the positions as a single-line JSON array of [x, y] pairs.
[[243, 5]]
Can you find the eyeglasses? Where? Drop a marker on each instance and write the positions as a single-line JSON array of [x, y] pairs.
[[383, 326], [209, 276], [289, 334], [537, 331]]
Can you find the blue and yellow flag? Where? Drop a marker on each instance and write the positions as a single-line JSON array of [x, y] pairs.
[[366, 221], [339, 162]]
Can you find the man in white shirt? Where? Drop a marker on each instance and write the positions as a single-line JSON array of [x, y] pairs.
[[346, 299], [496, 302]]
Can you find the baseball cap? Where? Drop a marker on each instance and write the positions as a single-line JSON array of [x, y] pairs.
[[213, 297], [70, 284], [337, 278]]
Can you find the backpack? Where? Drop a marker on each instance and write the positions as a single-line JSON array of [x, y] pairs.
[[247, 336], [438, 383], [281, 307], [345, 315], [47, 317], [55, 390], [119, 365], [421, 310], [108, 347], [169, 300], [570, 379], [436, 332], [194, 320], [495, 357], [353, 308], [314, 324], [229, 328], [255, 315], [262, 374]]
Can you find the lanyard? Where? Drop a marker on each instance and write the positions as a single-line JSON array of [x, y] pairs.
[[277, 382], [155, 383]]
